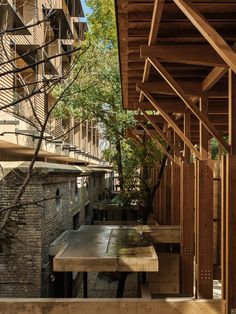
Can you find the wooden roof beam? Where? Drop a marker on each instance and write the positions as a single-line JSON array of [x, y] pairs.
[[158, 118], [150, 119], [186, 54], [155, 23], [134, 136], [168, 106], [170, 121], [161, 87], [161, 147], [208, 32], [179, 107], [189, 103], [213, 77]]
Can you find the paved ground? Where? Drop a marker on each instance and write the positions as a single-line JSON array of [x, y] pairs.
[[100, 286]]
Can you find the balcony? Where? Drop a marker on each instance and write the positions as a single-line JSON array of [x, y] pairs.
[[60, 19], [14, 20], [75, 8], [67, 47], [29, 54], [80, 28]]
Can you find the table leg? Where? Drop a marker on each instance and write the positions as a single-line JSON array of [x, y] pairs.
[[85, 282], [139, 283], [121, 285]]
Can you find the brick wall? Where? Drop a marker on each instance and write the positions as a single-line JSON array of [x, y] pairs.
[[25, 266], [20, 257]]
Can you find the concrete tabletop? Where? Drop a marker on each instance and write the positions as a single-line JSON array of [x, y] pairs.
[[106, 248]]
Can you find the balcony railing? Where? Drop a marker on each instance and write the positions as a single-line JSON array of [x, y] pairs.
[[59, 16], [10, 18]]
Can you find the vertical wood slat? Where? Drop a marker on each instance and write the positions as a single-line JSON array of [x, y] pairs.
[[168, 193], [204, 230], [163, 199], [187, 227], [216, 219], [223, 217], [175, 195], [187, 132], [204, 134], [230, 253]]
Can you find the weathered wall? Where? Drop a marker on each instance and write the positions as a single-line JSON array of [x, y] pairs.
[[25, 266]]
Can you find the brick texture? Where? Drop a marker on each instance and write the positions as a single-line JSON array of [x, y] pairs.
[[25, 266]]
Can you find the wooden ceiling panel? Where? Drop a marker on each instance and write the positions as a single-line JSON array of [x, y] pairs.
[[196, 70]]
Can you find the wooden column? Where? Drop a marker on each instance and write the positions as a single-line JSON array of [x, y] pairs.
[[177, 145], [168, 194], [204, 230], [187, 132], [175, 194], [159, 213], [230, 215], [204, 215], [175, 184], [204, 134], [162, 208], [187, 227], [223, 225]]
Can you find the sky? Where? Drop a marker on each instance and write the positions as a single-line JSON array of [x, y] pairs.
[[85, 7]]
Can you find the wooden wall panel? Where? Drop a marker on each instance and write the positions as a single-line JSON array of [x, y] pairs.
[[168, 191], [187, 227], [204, 230], [175, 195]]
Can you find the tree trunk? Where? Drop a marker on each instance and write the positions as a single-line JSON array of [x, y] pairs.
[[119, 164]]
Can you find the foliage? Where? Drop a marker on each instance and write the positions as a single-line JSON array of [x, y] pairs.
[[136, 158], [96, 95], [214, 149], [102, 23]]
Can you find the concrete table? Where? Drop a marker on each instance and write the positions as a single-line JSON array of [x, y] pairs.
[[106, 249]]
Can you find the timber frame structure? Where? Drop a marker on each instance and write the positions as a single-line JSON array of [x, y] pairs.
[[178, 69]]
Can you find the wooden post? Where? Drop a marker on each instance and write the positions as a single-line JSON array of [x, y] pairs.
[[187, 132], [175, 194], [168, 194], [204, 134], [163, 199], [223, 212], [187, 227], [204, 230], [230, 262], [85, 284]]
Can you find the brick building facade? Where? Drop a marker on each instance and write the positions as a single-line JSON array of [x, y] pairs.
[[64, 192]]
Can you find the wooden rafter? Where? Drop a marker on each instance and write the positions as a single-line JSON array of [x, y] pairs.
[[134, 136], [161, 133], [213, 77], [190, 104], [186, 54], [204, 135], [171, 122], [210, 80], [162, 148], [208, 32], [168, 106], [193, 88], [155, 23]]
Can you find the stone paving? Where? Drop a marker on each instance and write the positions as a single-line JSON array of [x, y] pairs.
[[99, 286]]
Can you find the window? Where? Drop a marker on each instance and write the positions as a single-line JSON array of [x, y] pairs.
[[58, 200], [76, 194]]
